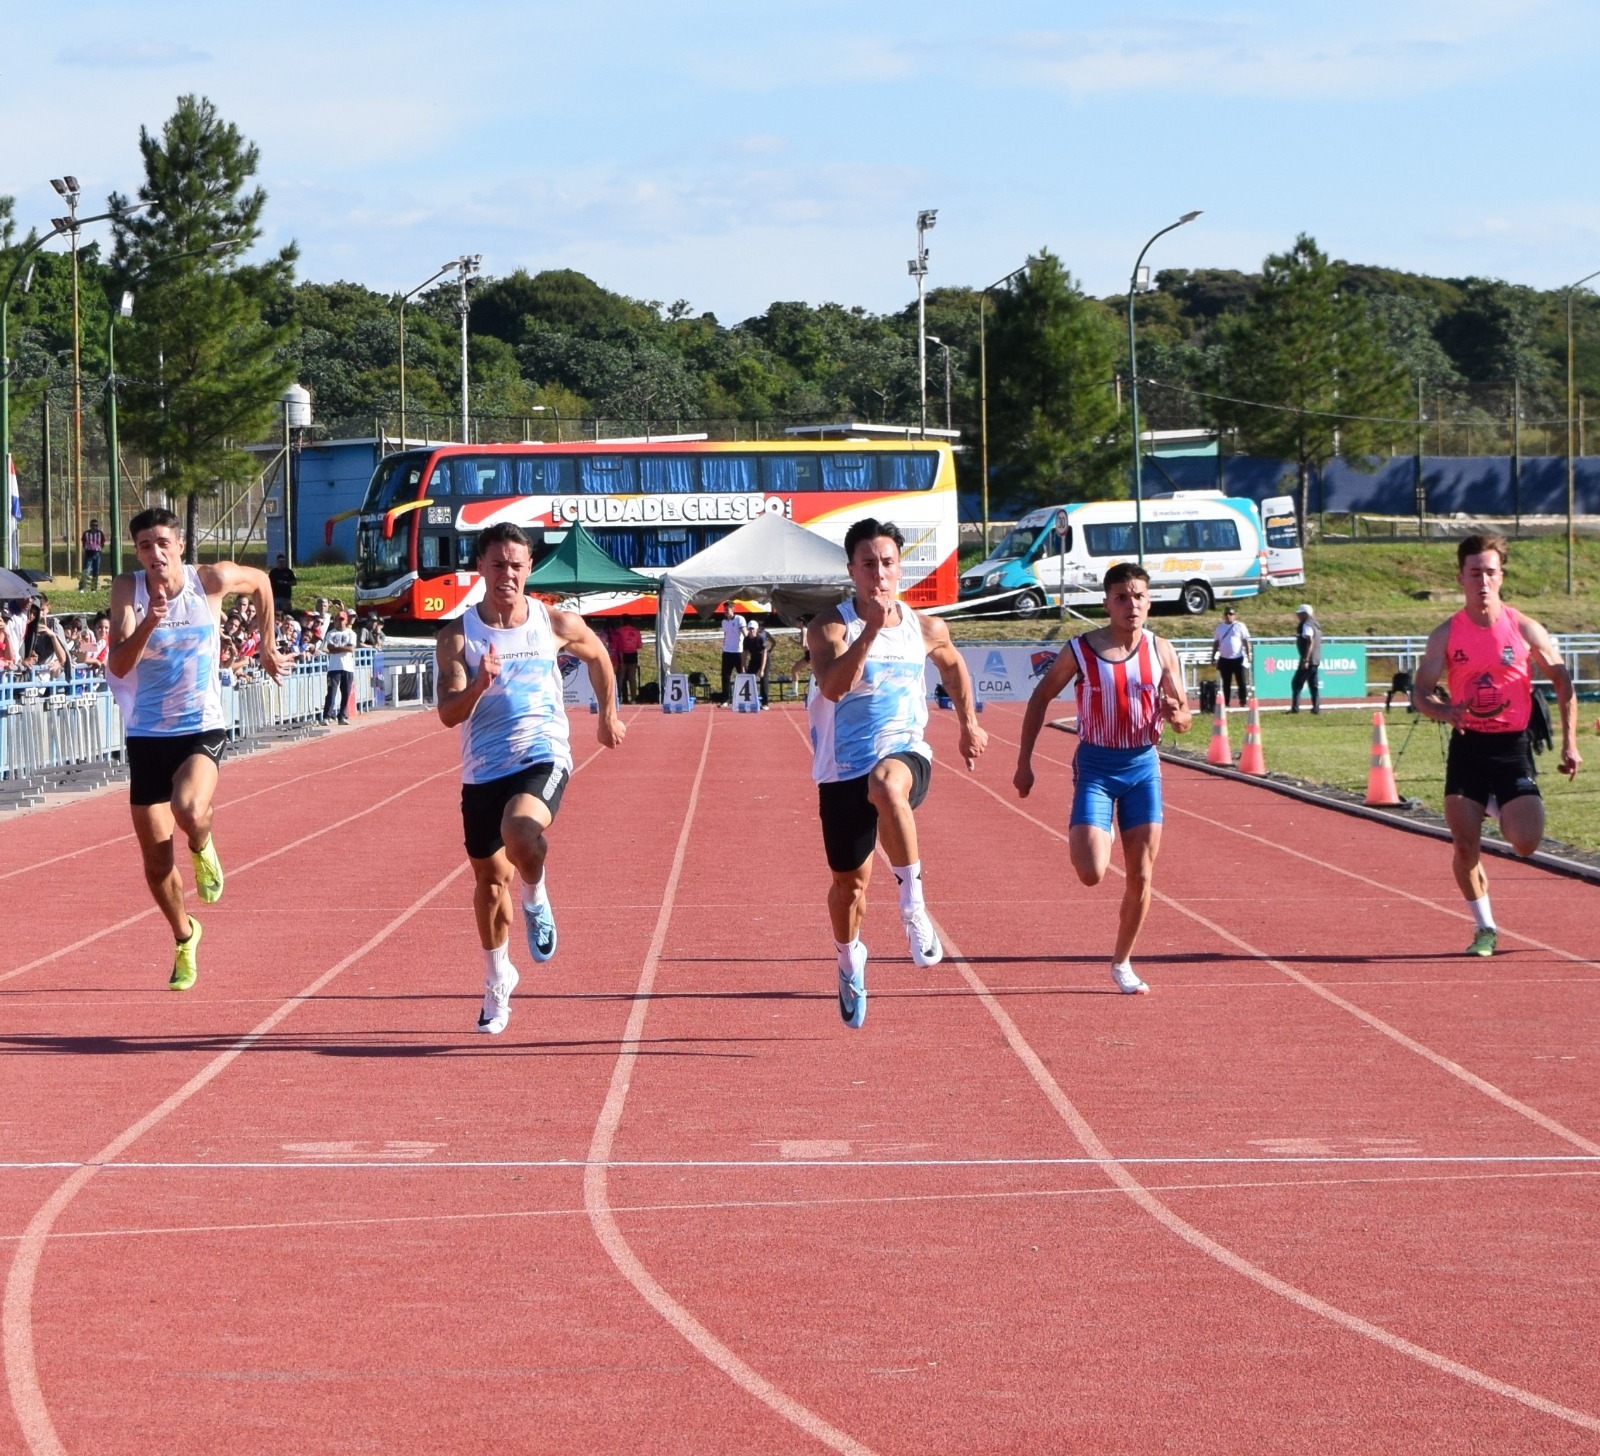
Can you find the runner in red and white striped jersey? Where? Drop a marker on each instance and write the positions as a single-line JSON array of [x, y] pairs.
[[1129, 685]]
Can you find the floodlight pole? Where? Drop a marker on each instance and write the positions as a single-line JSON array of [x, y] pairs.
[[404, 300], [918, 268], [1133, 382]]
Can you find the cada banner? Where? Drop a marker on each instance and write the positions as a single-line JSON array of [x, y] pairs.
[[1001, 672], [1343, 673]]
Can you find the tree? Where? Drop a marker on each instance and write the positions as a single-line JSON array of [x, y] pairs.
[[1306, 372], [1053, 424], [204, 366]]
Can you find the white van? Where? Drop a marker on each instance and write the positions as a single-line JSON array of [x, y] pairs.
[[1200, 547]]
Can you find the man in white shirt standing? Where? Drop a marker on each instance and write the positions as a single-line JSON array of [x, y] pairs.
[[732, 648], [1230, 652], [340, 645]]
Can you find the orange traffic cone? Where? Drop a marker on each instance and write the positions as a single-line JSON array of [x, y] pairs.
[[1380, 777], [1219, 750], [1252, 760]]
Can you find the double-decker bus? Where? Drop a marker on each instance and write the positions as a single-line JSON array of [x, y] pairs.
[[651, 505]]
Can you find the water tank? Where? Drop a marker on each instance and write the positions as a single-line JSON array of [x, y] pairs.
[[297, 406]]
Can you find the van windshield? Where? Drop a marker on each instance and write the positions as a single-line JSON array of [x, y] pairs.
[[1018, 543]]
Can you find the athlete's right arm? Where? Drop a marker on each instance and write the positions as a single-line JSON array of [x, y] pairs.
[[1425, 685], [1048, 689], [459, 692], [836, 665], [128, 635]]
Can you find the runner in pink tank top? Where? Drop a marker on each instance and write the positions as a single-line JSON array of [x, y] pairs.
[[1129, 685], [1484, 658]]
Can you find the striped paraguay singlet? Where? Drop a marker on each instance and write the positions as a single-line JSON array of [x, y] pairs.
[[1119, 703], [522, 719], [175, 688]]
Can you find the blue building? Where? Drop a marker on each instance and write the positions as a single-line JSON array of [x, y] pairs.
[[329, 477]]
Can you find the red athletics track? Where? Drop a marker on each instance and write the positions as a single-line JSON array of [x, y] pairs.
[[1330, 1184]]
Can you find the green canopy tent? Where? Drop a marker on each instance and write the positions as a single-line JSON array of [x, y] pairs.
[[580, 564]]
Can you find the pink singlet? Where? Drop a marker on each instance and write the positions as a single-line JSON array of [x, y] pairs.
[[1489, 673], [1119, 704]]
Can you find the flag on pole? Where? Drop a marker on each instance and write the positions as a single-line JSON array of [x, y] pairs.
[[14, 496]]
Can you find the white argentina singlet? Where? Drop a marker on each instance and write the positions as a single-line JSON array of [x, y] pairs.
[[521, 720], [175, 687], [885, 712]]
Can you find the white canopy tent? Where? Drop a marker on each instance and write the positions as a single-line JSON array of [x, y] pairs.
[[771, 559]]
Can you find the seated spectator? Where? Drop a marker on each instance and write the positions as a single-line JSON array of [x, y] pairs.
[[102, 638], [41, 648], [372, 631]]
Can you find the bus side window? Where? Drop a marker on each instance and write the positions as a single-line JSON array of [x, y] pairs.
[[439, 482], [431, 553], [466, 552], [1218, 535], [1168, 536]]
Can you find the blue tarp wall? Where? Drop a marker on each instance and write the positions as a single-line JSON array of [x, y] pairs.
[[1473, 484]]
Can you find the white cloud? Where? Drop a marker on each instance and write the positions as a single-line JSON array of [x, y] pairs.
[[134, 53]]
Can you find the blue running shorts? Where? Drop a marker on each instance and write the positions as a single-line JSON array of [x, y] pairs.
[[1127, 778]]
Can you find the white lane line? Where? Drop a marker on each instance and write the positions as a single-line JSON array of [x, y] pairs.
[[1146, 1200], [596, 1194], [16, 1323], [735, 1205], [272, 788], [1454, 1069], [260, 859], [777, 1165]]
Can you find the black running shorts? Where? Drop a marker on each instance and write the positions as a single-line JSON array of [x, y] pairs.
[[1484, 766], [849, 820], [483, 806], [153, 762]]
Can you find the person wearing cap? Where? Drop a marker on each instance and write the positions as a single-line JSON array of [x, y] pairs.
[[340, 645], [1308, 642], [1230, 651]]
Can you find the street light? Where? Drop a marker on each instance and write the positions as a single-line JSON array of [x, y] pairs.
[[466, 267], [403, 302], [935, 339], [983, 395], [67, 187], [918, 268], [1133, 380], [1571, 472], [539, 409]]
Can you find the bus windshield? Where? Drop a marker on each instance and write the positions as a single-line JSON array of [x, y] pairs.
[[394, 482], [1018, 543]]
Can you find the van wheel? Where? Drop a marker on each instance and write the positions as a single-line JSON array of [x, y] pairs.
[[1196, 598], [1028, 605]]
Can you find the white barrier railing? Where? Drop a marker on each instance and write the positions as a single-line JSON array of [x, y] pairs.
[[51, 724]]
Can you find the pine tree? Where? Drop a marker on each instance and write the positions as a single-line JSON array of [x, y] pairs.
[[1307, 371], [202, 369]]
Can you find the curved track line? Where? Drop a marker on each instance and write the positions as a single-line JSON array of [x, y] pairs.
[[1455, 1069], [260, 859], [273, 788], [16, 1322], [596, 1198], [1128, 1184]]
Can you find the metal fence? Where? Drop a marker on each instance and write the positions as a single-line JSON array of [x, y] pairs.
[[49, 725]]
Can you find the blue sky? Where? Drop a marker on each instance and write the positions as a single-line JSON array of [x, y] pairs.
[[733, 154]]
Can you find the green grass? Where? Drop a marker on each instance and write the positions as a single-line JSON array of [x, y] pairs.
[[1335, 748]]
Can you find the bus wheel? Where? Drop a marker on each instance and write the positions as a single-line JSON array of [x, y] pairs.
[[1028, 605], [1196, 598]]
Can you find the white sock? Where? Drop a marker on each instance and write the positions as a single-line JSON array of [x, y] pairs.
[[535, 894], [497, 963], [909, 878], [1482, 913], [847, 953]]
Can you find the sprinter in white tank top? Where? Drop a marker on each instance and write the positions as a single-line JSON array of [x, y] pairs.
[[500, 683], [868, 709], [162, 669]]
